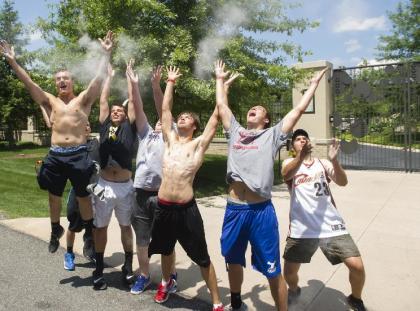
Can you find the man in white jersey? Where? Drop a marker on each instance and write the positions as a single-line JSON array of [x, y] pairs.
[[250, 215], [314, 218]]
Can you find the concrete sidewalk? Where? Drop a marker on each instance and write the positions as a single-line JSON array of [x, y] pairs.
[[382, 212]]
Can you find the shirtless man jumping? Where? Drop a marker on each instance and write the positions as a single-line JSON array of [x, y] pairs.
[[177, 217], [68, 157]]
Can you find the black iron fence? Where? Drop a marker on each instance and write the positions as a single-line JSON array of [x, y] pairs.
[[377, 116]]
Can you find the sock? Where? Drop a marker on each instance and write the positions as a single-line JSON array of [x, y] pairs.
[[217, 305], [164, 283], [356, 299], [88, 228], [128, 258], [128, 263], [99, 263], [55, 227], [235, 300], [69, 249]]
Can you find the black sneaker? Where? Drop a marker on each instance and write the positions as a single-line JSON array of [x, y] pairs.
[[55, 240], [293, 295], [355, 303], [99, 282], [128, 276], [89, 248]]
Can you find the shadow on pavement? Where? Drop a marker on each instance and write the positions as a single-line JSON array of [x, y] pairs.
[[316, 296], [188, 277]]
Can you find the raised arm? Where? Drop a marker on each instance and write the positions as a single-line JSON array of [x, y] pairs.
[[135, 104], [290, 120], [93, 90], [173, 75], [103, 100], [225, 113], [157, 91], [37, 94], [46, 114], [209, 131], [338, 174]]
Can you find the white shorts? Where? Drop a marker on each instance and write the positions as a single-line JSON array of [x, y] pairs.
[[118, 196]]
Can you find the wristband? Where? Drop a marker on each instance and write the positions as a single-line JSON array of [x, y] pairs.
[[170, 80]]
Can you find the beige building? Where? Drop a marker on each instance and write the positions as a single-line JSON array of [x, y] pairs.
[[316, 119]]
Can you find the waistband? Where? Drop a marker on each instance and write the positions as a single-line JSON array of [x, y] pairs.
[[231, 205], [175, 205], [67, 151], [127, 181], [146, 192]]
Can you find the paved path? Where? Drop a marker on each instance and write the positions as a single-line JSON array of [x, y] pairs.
[[33, 279], [381, 157], [382, 212]]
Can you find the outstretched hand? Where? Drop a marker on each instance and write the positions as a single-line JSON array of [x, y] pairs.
[[333, 150], [219, 70], [111, 72], [173, 73], [229, 82], [306, 149], [156, 75], [319, 75], [7, 50], [130, 72], [107, 42]]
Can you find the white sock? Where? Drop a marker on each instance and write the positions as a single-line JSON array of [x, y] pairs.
[[217, 305]]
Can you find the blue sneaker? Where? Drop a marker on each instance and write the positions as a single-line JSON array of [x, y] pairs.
[[69, 261], [140, 285], [174, 276]]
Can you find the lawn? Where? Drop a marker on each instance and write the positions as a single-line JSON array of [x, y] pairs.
[[21, 196]]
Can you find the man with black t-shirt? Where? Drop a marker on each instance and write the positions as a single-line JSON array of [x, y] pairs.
[[117, 136]]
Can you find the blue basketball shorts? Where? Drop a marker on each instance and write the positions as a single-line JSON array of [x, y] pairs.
[[256, 223]]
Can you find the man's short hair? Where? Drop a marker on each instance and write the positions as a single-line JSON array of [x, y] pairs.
[[299, 132], [195, 118], [64, 70], [123, 105]]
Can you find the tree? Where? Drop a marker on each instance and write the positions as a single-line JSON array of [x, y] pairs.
[[404, 41], [15, 102], [181, 32]]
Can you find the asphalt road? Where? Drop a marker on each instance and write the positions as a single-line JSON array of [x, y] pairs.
[[380, 157], [33, 279]]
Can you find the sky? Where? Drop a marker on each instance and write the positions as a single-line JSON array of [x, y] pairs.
[[348, 31]]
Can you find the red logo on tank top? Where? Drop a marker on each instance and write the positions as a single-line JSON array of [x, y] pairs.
[[305, 178]]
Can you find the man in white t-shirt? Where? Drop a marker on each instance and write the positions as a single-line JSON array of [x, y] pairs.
[[314, 218]]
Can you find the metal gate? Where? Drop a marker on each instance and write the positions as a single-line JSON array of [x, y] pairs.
[[377, 116]]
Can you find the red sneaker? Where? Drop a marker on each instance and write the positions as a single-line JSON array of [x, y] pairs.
[[219, 308], [163, 292]]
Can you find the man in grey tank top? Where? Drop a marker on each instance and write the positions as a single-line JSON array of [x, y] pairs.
[[250, 215], [147, 182]]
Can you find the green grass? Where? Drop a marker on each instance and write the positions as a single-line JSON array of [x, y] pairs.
[[21, 196]]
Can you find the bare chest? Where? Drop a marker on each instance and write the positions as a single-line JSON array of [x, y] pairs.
[[71, 114], [181, 157]]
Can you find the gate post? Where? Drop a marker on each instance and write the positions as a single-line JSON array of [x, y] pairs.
[[316, 119]]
